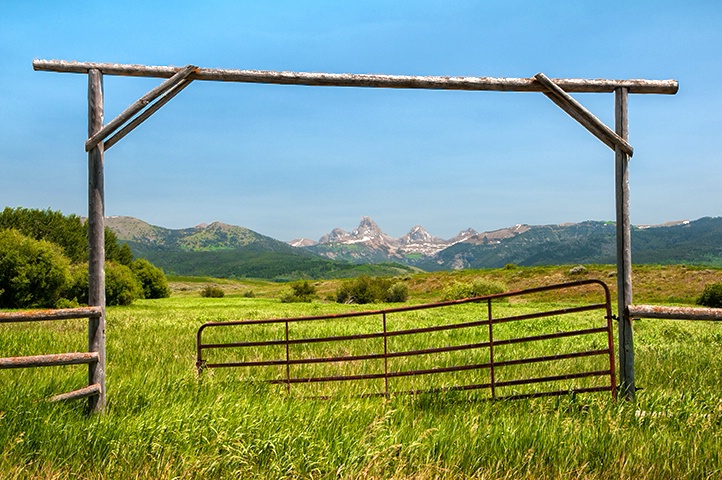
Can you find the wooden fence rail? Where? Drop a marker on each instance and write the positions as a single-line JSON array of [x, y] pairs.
[[675, 313], [57, 359]]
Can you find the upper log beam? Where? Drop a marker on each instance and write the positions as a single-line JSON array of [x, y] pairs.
[[571, 85]]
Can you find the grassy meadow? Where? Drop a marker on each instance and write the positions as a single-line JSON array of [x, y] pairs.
[[163, 421]]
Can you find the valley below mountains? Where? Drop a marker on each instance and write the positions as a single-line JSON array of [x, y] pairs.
[[223, 250]]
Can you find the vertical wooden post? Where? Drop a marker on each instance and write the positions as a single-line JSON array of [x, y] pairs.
[[624, 248], [96, 240]]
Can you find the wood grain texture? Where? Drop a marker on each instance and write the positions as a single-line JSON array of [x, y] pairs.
[[572, 85]]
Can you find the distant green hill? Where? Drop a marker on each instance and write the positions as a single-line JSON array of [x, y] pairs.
[[228, 251], [696, 242]]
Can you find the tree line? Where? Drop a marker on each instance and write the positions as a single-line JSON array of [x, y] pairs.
[[44, 263]]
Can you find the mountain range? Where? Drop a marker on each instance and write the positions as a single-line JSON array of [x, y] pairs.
[[223, 250]]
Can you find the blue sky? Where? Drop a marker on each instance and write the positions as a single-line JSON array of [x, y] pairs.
[[291, 161]]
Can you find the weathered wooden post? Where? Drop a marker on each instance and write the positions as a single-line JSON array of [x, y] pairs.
[[96, 240], [624, 247]]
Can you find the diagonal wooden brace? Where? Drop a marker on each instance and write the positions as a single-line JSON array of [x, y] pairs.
[[567, 103], [139, 105], [144, 115]]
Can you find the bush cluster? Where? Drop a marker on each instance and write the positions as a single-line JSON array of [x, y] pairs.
[[212, 291], [43, 263], [711, 296], [477, 288], [365, 289], [301, 291], [33, 273]]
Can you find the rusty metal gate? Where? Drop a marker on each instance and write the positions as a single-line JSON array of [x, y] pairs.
[[490, 345]]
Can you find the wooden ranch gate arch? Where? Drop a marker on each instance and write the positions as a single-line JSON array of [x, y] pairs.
[[101, 137]]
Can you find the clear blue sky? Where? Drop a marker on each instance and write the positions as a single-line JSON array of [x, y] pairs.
[[290, 161]]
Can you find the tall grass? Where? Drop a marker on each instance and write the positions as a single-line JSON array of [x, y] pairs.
[[163, 422]]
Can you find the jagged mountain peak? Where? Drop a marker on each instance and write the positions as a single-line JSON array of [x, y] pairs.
[[336, 235], [302, 242], [419, 235], [463, 235], [367, 228]]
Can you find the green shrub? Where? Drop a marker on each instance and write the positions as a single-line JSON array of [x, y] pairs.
[[33, 273], [152, 279], [365, 289], [398, 292], [77, 287], [301, 291], [477, 288], [122, 287], [212, 291], [711, 296]]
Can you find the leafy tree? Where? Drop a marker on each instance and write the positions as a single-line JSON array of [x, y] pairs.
[[152, 278], [68, 232], [33, 273], [125, 255]]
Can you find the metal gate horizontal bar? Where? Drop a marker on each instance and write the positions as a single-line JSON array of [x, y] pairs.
[[49, 360], [413, 331], [481, 386], [456, 368], [553, 378], [408, 353], [557, 393]]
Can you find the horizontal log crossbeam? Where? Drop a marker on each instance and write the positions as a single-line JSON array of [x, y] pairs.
[[42, 315], [675, 313], [51, 360], [570, 85], [85, 392]]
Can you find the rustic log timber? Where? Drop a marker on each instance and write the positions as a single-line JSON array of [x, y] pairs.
[[624, 247], [571, 85], [51, 360], [588, 120], [96, 240], [136, 107], [675, 313], [89, 391], [41, 315], [146, 113]]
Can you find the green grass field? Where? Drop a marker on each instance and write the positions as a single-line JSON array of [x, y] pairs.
[[162, 421]]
